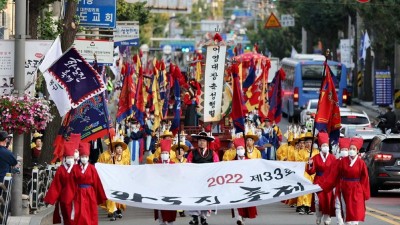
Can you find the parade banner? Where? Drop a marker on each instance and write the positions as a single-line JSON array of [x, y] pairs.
[[77, 77], [34, 52], [213, 83], [208, 186]]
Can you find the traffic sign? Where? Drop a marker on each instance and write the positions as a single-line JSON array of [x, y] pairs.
[[287, 20], [126, 33], [272, 22], [97, 13]]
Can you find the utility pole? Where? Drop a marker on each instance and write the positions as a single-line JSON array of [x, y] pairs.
[[397, 78], [19, 86]]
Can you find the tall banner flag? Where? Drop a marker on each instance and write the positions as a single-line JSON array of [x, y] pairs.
[[263, 106], [77, 77], [327, 117], [216, 186], [177, 107], [139, 107], [57, 93], [127, 95], [214, 82], [237, 114], [275, 96], [90, 119]]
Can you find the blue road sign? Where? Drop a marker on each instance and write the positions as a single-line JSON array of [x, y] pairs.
[[97, 13]]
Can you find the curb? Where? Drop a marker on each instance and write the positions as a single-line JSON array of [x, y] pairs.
[[370, 107], [44, 217]]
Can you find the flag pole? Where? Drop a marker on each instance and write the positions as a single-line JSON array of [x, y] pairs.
[[328, 52]]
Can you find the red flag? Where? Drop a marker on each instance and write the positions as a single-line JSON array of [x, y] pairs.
[[127, 95], [327, 117], [263, 106], [237, 101], [275, 95]]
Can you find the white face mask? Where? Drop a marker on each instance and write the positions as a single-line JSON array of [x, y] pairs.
[[76, 155], [164, 157], [85, 160], [70, 161], [352, 152], [325, 149], [344, 153], [240, 152]]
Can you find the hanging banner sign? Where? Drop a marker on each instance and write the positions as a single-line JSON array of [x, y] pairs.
[[34, 52], [104, 51], [208, 186], [214, 83], [126, 33]]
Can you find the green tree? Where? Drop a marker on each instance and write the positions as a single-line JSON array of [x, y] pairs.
[[3, 4]]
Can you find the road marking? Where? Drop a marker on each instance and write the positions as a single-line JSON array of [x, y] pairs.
[[389, 218]]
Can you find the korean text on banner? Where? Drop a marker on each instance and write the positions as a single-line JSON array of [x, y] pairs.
[[208, 186], [34, 52], [213, 83]]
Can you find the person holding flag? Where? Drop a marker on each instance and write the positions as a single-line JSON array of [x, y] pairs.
[[319, 165]]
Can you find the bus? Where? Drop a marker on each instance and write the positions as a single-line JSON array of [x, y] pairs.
[[303, 81]]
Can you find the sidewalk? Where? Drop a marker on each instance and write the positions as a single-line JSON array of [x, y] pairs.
[[44, 217]]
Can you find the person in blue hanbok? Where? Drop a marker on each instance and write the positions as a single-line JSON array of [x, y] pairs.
[[272, 141]]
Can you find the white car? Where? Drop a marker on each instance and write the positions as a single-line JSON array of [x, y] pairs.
[[309, 110], [355, 118]]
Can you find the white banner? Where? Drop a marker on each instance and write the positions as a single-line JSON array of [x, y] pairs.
[[346, 46], [213, 83], [104, 51], [34, 52], [209, 186]]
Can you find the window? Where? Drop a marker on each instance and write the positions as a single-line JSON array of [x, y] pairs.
[[355, 120]]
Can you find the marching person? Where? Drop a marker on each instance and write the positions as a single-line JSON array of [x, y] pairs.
[[165, 217], [180, 151], [319, 165], [304, 202], [62, 189], [118, 155], [154, 158], [89, 193], [201, 155], [352, 174], [248, 212], [251, 151], [136, 134]]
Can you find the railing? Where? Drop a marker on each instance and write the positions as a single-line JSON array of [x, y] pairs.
[[5, 197]]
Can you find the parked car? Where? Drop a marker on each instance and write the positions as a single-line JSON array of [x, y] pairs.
[[352, 117], [309, 109], [367, 133], [382, 157]]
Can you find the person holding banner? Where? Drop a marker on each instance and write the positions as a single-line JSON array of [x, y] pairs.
[[165, 217], [154, 158], [180, 151], [201, 155], [89, 193], [251, 151], [319, 165], [248, 212], [115, 156], [352, 175], [62, 189], [304, 202]]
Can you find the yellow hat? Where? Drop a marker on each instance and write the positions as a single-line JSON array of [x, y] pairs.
[[302, 136], [290, 137], [119, 142], [310, 135], [181, 145], [251, 135], [167, 133]]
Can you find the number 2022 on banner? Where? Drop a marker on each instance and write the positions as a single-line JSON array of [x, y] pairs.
[[227, 179]]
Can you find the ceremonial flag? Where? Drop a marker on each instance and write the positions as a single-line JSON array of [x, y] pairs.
[[139, 106], [156, 101], [177, 108], [327, 117], [293, 53], [57, 93], [365, 44], [263, 106], [250, 78], [275, 96], [77, 77], [127, 95], [237, 101]]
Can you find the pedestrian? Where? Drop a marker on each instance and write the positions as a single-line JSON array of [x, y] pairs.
[[319, 165], [165, 217], [7, 159], [240, 214], [352, 174], [202, 154], [62, 189], [89, 193], [118, 155], [36, 146]]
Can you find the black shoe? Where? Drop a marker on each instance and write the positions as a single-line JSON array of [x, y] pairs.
[[298, 209], [203, 221], [308, 211], [182, 214], [302, 210], [109, 215], [194, 221], [239, 222], [113, 217], [119, 213]]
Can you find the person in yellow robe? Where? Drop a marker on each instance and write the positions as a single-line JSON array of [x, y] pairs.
[[251, 151], [304, 202], [118, 154], [179, 153], [230, 153]]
